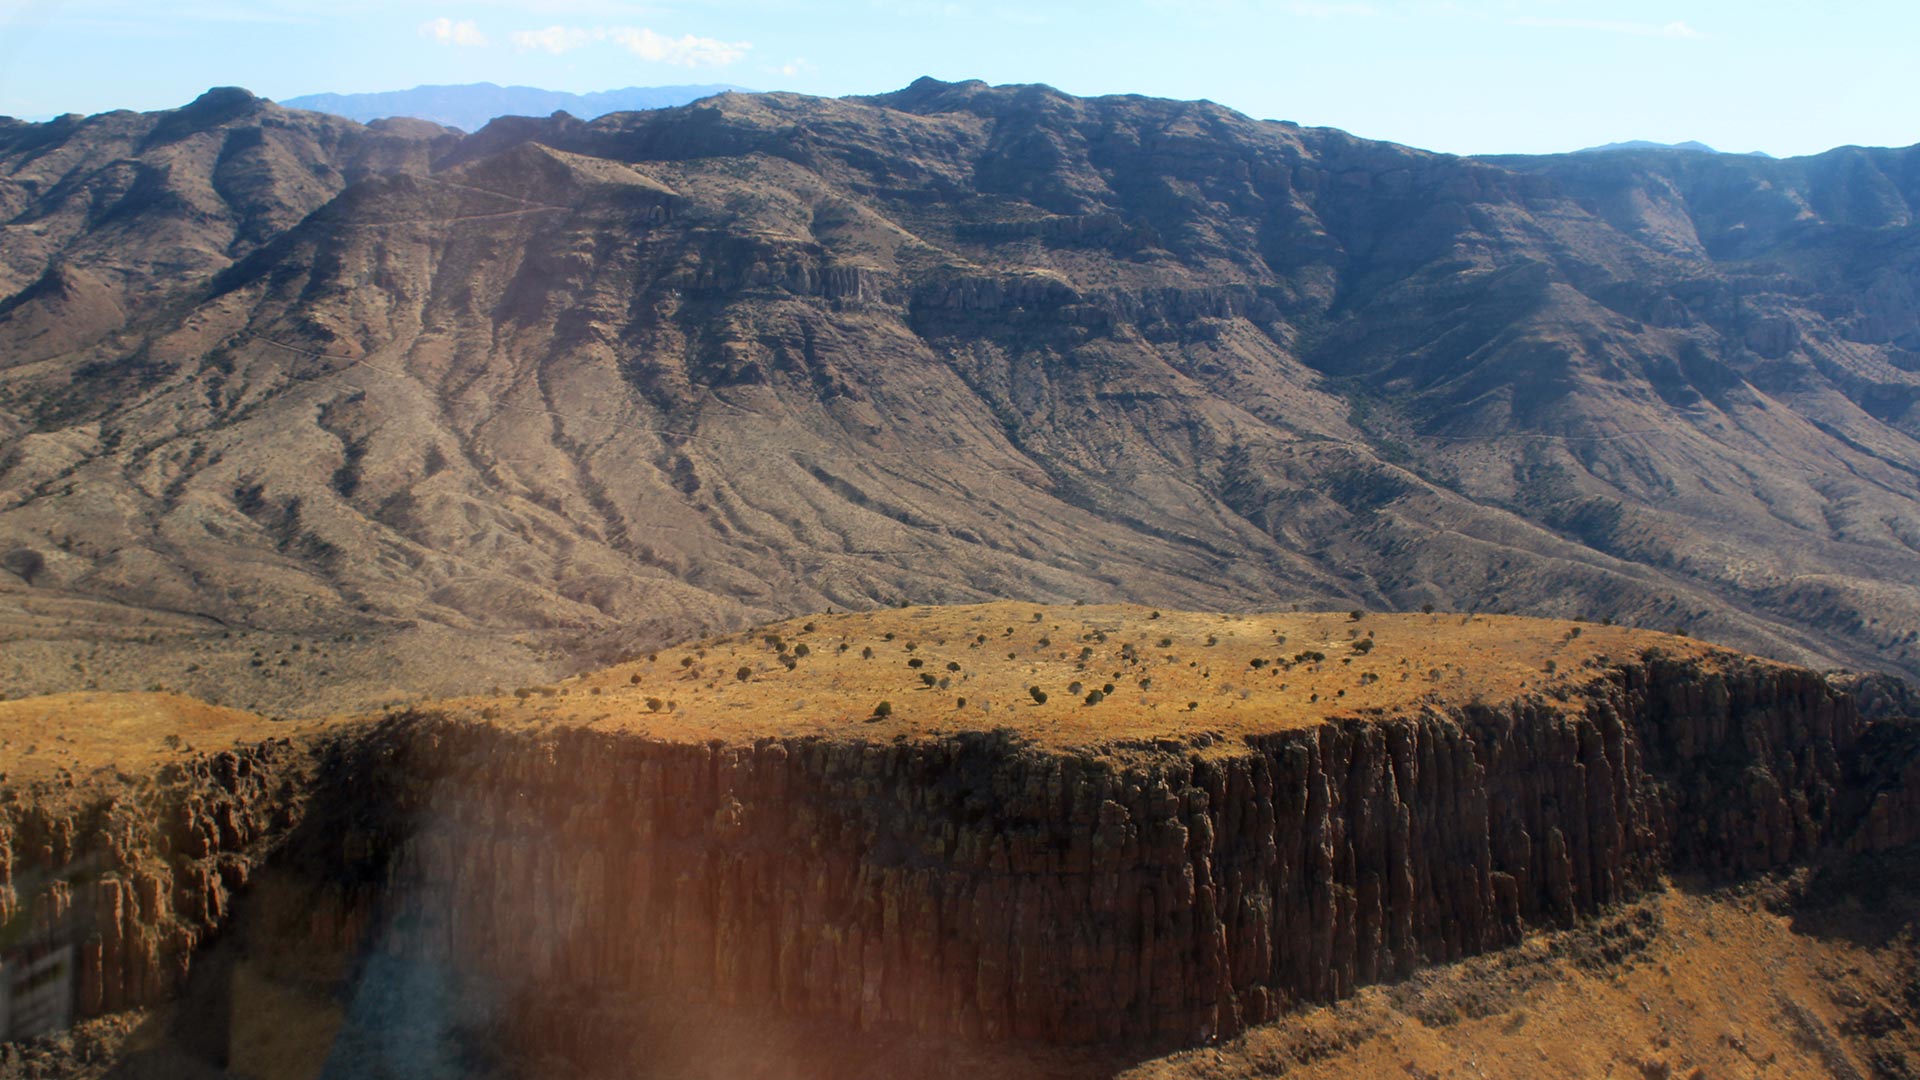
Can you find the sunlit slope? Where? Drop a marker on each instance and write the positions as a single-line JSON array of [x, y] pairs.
[[521, 403]]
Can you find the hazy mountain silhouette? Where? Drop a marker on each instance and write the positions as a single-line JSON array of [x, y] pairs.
[[1643, 144]]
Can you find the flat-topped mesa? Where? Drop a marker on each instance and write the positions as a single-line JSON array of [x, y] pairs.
[[129, 825], [1228, 816], [1134, 868], [1111, 679]]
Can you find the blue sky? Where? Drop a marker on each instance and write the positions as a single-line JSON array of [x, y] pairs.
[[1466, 76]]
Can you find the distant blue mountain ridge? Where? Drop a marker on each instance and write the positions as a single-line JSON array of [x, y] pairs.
[[471, 106], [1643, 144]]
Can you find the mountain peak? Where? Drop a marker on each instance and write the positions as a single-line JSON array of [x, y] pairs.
[[218, 106], [1691, 146], [224, 97]]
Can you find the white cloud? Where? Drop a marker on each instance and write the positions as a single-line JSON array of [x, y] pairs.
[[466, 32], [799, 65], [684, 51], [1636, 29]]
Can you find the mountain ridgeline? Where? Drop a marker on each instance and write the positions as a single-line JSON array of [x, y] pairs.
[[470, 106], [481, 408]]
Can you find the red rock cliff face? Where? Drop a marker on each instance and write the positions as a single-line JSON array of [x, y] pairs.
[[137, 879], [976, 885], [980, 887]]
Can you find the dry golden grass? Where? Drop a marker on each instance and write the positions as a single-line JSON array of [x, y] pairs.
[[63, 737], [1679, 985], [1197, 678], [1174, 675]]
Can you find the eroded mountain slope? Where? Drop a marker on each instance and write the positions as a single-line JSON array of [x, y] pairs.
[[559, 390]]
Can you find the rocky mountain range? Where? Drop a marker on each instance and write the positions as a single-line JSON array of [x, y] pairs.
[[302, 414], [471, 105]]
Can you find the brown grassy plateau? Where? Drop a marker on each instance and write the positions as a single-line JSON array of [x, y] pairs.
[[1809, 973], [91, 738], [1186, 678]]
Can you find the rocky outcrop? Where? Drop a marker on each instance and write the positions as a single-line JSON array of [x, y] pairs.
[[139, 878], [1883, 787], [976, 886]]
